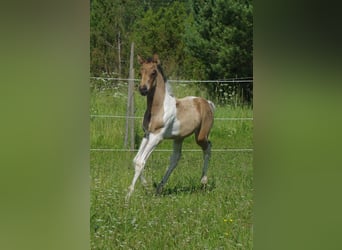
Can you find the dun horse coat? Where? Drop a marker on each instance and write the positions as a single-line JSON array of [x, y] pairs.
[[169, 118]]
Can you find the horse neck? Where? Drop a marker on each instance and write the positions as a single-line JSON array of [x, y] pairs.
[[155, 99]]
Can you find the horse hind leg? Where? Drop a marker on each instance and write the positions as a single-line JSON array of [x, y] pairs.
[[205, 144], [177, 150], [206, 158]]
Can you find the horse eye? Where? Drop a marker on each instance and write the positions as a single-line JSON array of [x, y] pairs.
[[154, 72]]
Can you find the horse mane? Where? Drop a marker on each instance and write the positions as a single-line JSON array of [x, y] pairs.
[[168, 86], [160, 69]]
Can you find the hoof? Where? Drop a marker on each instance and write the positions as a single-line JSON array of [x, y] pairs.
[[129, 193], [159, 190], [127, 200], [143, 181], [204, 180]]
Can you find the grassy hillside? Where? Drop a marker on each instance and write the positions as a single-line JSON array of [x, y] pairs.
[[185, 216]]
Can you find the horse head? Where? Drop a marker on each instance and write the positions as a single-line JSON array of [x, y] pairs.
[[149, 72]]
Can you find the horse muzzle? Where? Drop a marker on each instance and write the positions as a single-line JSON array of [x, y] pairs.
[[143, 90]]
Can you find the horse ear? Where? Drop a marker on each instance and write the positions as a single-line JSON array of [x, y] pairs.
[[156, 59], [140, 60]]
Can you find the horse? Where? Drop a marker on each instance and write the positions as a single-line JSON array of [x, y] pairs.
[[167, 117]]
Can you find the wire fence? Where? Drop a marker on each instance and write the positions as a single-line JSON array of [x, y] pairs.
[[170, 150], [140, 117], [232, 91], [126, 80], [233, 80]]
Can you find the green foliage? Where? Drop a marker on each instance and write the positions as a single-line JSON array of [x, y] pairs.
[[221, 36], [162, 32], [110, 25], [195, 39]]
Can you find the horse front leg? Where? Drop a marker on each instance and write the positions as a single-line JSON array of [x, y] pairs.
[[146, 148], [140, 151]]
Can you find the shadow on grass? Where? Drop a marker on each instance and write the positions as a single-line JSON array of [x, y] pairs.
[[190, 189]]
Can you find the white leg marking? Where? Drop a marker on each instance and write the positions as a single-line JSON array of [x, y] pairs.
[[177, 150], [142, 146], [206, 158], [143, 179], [144, 152]]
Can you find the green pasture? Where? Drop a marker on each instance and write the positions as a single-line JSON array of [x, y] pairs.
[[186, 215]]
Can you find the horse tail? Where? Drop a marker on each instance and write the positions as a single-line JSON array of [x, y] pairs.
[[212, 106]]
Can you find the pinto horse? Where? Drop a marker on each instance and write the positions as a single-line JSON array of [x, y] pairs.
[[169, 118]]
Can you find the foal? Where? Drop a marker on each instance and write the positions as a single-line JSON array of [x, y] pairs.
[[169, 118]]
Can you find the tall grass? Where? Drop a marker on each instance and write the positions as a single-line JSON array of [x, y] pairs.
[[185, 215]]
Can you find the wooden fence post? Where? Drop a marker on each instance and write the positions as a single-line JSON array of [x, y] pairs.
[[129, 132], [131, 84]]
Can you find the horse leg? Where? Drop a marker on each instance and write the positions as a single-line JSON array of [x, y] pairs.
[[177, 150], [141, 158], [204, 143], [141, 148], [206, 158]]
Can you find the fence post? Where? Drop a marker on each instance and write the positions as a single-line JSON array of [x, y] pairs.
[[129, 131], [131, 84]]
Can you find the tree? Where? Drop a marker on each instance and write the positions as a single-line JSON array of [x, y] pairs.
[[196, 39], [111, 23], [161, 31], [221, 36]]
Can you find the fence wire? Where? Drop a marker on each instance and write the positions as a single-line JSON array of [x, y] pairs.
[[125, 80], [170, 150], [140, 117], [234, 80]]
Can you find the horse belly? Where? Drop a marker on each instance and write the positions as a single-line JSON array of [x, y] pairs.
[[188, 116], [176, 129]]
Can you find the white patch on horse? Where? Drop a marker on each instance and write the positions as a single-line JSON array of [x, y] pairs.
[[172, 125]]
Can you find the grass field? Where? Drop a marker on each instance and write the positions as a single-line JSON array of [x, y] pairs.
[[184, 216]]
